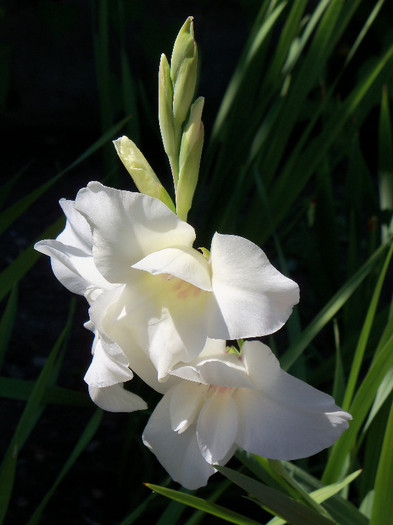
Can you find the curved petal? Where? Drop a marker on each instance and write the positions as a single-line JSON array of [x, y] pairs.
[[128, 226], [169, 328], [116, 399], [107, 314], [227, 371], [270, 428], [186, 264], [255, 299], [73, 267], [77, 231], [261, 365], [185, 403], [178, 453], [217, 425], [109, 365]]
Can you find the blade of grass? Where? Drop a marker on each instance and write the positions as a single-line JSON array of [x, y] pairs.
[[261, 30], [198, 516], [365, 333], [330, 310], [344, 512], [201, 504], [82, 443], [359, 409], [383, 502], [385, 164], [11, 388], [288, 186], [324, 493], [276, 502], [324, 38], [384, 390]]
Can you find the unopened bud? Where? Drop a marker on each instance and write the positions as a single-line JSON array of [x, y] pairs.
[[141, 172]]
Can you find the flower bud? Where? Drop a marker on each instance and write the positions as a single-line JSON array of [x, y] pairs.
[[165, 108], [190, 158], [184, 64], [141, 172]]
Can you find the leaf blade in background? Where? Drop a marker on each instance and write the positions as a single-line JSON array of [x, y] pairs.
[[201, 504]]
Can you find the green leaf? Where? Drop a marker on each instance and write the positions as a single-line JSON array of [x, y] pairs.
[[12, 388], [365, 333], [383, 502], [343, 511], [201, 504], [385, 163], [276, 502], [330, 310], [324, 493], [359, 409]]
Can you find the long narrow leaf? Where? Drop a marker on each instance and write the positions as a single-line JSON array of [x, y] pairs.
[[12, 388], [328, 312], [364, 334], [359, 408], [383, 502], [276, 502], [201, 504]]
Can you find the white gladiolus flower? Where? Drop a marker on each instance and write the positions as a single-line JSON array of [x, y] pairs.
[[173, 297], [223, 400], [148, 288]]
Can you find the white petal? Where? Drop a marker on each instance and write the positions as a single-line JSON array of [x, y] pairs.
[[106, 315], [77, 231], [255, 299], [261, 365], [109, 365], [128, 226], [178, 453], [217, 426], [185, 402], [74, 268], [185, 263], [226, 370], [274, 429], [168, 327], [116, 399]]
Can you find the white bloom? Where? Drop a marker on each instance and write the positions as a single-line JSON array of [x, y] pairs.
[[173, 298], [148, 288], [222, 401]]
